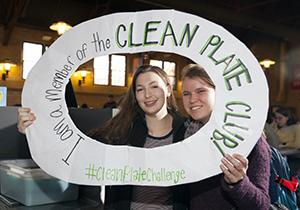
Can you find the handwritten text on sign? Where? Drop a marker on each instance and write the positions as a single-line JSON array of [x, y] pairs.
[[235, 125]]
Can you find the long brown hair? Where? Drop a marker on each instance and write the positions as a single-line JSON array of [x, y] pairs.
[[116, 130]]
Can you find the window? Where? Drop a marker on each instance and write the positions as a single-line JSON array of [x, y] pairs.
[[110, 70], [101, 70], [31, 54], [168, 67]]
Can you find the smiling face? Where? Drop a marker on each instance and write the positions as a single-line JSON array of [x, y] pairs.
[[198, 98], [151, 94]]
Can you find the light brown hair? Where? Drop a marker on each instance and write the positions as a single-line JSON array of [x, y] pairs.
[[195, 70]]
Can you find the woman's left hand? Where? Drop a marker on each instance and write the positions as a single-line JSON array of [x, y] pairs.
[[234, 168]]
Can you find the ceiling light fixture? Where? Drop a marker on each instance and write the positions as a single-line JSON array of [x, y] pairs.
[[60, 27], [266, 63]]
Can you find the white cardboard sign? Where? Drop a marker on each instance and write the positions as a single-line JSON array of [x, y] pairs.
[[63, 151]]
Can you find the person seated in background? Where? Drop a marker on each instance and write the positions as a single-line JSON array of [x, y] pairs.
[[84, 105], [272, 137], [287, 128], [110, 102]]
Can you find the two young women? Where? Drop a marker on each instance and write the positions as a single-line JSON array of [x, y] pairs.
[[148, 118]]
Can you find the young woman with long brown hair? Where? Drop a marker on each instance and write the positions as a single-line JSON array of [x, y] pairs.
[[147, 118]]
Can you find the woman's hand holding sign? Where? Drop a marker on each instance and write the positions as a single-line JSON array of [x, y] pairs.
[[25, 119], [234, 168]]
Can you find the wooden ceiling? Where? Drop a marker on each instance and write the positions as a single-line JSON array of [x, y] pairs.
[[244, 18]]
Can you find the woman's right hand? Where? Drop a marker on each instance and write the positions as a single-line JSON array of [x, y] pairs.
[[25, 119], [234, 168]]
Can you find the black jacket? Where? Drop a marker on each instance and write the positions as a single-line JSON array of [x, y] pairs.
[[119, 197]]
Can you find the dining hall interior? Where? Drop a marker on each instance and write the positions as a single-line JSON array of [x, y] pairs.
[[270, 29]]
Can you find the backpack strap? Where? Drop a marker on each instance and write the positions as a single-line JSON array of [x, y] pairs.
[[292, 184]]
